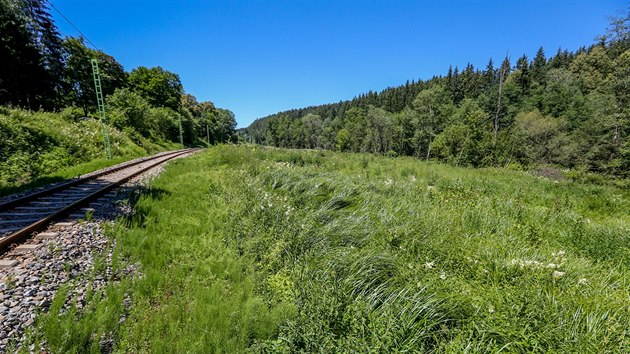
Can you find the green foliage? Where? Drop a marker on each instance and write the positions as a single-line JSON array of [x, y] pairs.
[[266, 250], [36, 144], [79, 77], [541, 135], [128, 109], [161, 88], [468, 142], [342, 140], [31, 52]]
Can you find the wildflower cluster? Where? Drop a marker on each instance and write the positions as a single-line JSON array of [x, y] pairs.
[[289, 210], [283, 164], [266, 201], [557, 262], [525, 263]]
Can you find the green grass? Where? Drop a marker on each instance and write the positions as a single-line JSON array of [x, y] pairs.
[[269, 250]]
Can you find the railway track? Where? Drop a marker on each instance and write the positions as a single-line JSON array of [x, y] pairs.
[[21, 217]]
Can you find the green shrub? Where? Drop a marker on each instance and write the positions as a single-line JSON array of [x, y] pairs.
[[34, 144]]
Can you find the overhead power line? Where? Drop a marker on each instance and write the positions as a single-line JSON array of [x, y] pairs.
[[72, 24]]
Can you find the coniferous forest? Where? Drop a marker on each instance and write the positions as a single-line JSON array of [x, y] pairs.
[[569, 109]]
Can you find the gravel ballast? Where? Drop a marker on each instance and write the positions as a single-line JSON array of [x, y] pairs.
[[62, 256]]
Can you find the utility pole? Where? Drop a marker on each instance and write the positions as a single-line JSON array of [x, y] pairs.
[[207, 132], [101, 107], [181, 131]]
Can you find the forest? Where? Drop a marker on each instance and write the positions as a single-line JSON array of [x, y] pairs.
[[45, 71], [569, 110]]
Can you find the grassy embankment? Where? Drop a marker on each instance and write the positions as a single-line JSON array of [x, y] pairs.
[[282, 251], [37, 148]]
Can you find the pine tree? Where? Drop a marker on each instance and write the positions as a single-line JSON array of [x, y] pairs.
[[489, 75], [47, 40], [538, 67], [21, 73], [469, 82], [524, 80], [456, 87]]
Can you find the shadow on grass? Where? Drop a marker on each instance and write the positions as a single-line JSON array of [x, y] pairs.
[[129, 202], [124, 206]]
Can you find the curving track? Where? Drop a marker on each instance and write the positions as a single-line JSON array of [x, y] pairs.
[[21, 217]]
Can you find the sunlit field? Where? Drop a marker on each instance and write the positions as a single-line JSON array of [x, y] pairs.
[[244, 248]]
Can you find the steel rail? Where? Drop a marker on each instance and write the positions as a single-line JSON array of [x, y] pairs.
[[73, 182], [41, 223]]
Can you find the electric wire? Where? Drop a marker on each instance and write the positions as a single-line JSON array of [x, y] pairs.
[[72, 24]]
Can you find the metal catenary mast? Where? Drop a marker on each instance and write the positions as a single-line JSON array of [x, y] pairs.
[[101, 107]]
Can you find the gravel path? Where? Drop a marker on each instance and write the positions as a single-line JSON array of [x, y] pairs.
[[63, 255]]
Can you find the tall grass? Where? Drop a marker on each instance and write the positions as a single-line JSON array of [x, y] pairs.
[[246, 248]]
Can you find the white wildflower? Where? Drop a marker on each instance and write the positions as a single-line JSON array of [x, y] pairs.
[[413, 178], [552, 265], [526, 263], [491, 309], [442, 275], [558, 274], [429, 265], [582, 281], [388, 181]]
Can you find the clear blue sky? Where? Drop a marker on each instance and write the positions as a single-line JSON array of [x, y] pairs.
[[260, 57]]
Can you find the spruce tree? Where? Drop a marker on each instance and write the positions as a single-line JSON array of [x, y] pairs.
[[489, 75], [22, 76], [538, 66], [524, 80]]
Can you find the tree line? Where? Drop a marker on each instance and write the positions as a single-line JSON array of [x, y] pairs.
[[570, 109], [42, 70]]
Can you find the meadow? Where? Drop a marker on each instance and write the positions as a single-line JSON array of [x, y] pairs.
[[252, 249]]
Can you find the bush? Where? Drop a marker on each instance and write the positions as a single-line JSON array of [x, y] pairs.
[[33, 144]]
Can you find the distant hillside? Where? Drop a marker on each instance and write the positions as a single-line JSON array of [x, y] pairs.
[[570, 109]]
